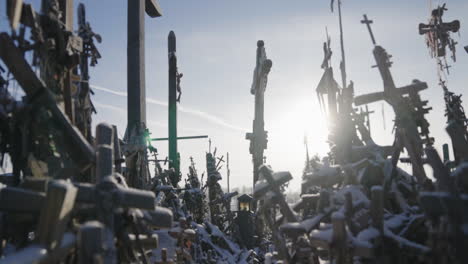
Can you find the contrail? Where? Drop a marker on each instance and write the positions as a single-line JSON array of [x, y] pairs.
[[110, 107], [150, 122], [187, 110], [108, 90], [121, 111], [209, 117]]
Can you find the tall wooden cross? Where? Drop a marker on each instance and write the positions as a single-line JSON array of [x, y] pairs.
[[136, 100], [258, 137]]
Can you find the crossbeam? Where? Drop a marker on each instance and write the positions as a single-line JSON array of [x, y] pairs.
[[180, 138]]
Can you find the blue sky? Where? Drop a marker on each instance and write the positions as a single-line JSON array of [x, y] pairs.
[[216, 42]]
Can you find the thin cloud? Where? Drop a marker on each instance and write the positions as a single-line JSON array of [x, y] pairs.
[[108, 90], [110, 107], [121, 111], [211, 118], [150, 122], [187, 110]]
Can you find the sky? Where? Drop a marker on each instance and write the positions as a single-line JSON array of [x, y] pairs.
[[216, 45]]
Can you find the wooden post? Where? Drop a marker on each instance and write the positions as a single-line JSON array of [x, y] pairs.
[[339, 238], [445, 148], [56, 211], [324, 201], [228, 171], [104, 134], [117, 151], [349, 212], [66, 7], [376, 209], [104, 166], [91, 246], [136, 91], [105, 152]]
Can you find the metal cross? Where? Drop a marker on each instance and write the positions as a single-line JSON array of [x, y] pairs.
[[368, 23]]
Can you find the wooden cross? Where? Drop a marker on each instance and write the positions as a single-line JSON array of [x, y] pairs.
[[368, 23], [136, 91], [274, 181], [259, 137], [136, 59]]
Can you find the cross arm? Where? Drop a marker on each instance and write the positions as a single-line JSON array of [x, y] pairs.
[[152, 8], [180, 138]]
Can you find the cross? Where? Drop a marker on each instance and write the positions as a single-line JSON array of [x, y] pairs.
[[368, 23], [136, 99], [219, 161], [274, 180], [259, 137], [447, 67], [136, 60]]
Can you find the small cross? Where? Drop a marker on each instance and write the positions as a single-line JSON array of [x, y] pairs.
[[221, 159], [447, 67], [209, 145], [219, 162], [368, 23]]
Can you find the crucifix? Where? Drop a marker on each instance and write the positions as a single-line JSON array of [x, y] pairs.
[[174, 98], [258, 137], [136, 101]]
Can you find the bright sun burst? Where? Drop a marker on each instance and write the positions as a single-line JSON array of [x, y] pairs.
[[286, 133]]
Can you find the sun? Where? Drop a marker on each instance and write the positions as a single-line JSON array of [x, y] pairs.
[[287, 130], [303, 119]]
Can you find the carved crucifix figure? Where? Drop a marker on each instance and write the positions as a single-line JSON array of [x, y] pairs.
[[258, 138]]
